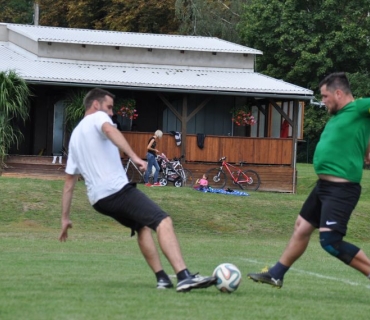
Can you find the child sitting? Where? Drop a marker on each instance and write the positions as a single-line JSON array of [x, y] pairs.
[[203, 183]]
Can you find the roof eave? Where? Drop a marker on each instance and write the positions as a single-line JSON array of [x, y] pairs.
[[293, 96]]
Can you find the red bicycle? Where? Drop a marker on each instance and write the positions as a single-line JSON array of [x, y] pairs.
[[248, 179]]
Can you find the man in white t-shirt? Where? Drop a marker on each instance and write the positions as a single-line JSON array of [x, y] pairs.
[[94, 153]]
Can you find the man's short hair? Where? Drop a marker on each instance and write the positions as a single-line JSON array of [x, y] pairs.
[[337, 80], [96, 94]]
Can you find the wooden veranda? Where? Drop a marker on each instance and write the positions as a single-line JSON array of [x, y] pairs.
[[272, 158]]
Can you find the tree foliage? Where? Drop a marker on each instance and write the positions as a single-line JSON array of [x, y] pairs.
[[147, 16], [304, 40], [214, 18], [14, 95], [16, 11]]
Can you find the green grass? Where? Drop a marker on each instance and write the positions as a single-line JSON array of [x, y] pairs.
[[100, 274]]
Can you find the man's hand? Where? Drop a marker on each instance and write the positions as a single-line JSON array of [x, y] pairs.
[[143, 165], [67, 224]]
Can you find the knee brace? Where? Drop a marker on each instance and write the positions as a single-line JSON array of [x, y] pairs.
[[331, 242]]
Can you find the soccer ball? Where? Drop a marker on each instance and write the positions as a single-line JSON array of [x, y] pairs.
[[228, 277]]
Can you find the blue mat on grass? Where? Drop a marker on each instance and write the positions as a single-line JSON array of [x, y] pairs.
[[222, 191]]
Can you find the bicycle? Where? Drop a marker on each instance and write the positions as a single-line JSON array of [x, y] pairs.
[[248, 179], [130, 169]]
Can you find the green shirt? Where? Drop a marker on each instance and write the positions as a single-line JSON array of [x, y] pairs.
[[343, 143]]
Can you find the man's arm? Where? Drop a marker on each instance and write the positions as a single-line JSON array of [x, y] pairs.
[[120, 141], [69, 186]]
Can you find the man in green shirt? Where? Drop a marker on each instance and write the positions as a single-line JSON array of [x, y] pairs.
[[338, 162]]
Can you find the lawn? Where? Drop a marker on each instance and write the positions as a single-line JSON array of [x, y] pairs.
[[99, 273]]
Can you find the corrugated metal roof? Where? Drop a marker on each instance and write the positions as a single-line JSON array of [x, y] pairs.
[[127, 39], [35, 69]]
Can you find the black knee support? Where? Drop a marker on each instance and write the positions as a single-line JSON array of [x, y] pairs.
[[331, 241]]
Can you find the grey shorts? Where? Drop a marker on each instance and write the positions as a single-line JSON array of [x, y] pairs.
[[330, 205], [132, 208]]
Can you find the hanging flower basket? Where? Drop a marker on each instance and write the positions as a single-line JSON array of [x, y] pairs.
[[242, 116], [127, 109]]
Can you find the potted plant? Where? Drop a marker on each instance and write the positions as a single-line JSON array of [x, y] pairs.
[[242, 116], [127, 110]]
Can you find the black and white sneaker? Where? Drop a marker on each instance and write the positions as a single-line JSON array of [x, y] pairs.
[[265, 277], [195, 282], [164, 284]]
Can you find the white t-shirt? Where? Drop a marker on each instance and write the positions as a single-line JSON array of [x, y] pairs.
[[96, 158]]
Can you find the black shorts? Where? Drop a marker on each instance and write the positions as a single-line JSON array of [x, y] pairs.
[[132, 208], [330, 204]]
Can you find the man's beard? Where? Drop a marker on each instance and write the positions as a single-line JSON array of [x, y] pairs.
[[333, 111]]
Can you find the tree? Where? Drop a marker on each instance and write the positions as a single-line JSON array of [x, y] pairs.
[[360, 84], [16, 11], [304, 40], [148, 16], [210, 18], [53, 13], [14, 95]]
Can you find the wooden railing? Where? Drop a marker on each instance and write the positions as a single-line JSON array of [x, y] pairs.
[[267, 151]]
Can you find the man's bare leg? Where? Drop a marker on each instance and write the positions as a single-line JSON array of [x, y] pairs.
[[298, 242], [149, 249], [361, 263], [170, 245]]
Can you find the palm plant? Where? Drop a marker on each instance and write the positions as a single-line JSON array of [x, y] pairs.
[[75, 109], [14, 106]]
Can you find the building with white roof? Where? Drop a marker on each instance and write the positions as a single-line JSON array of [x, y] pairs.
[[184, 84]]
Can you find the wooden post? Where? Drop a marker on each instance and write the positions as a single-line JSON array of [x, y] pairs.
[[184, 121], [294, 144]]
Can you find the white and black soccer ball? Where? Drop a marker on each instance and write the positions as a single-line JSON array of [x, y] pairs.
[[228, 277]]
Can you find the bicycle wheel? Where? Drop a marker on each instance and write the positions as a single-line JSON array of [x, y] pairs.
[[187, 178], [250, 180], [216, 178], [130, 173]]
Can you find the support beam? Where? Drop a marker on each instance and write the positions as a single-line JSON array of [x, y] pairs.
[[198, 108], [169, 105], [184, 117], [294, 144], [281, 111], [184, 124]]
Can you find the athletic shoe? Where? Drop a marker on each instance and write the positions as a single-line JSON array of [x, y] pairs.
[[164, 284], [195, 281], [156, 184], [265, 277], [148, 184]]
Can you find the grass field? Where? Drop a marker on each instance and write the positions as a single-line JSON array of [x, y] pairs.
[[100, 274]]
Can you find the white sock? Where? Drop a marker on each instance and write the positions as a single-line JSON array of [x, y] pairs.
[[54, 159]]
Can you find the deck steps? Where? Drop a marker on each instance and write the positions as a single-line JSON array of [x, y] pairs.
[[34, 167]]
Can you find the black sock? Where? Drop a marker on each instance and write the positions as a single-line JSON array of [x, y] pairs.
[[161, 275], [278, 271], [183, 274]]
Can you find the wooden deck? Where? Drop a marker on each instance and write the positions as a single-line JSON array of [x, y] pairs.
[[275, 178], [38, 167]]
